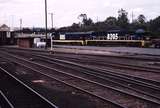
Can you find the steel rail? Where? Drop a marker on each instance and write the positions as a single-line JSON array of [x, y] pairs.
[[47, 67], [127, 57], [139, 78], [29, 88], [6, 100], [76, 87], [127, 66], [102, 71], [104, 77]]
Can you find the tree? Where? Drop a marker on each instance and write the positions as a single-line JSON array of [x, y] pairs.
[[154, 26], [75, 27], [85, 21], [141, 19], [88, 22], [123, 19], [111, 21], [139, 23], [82, 17]]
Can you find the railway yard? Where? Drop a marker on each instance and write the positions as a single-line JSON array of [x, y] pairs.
[[78, 78]]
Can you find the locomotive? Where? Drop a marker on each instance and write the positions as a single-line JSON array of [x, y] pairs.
[[103, 38]]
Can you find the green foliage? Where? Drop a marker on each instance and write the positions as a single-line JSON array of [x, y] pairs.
[[111, 23], [123, 21], [141, 19], [154, 26], [85, 21]]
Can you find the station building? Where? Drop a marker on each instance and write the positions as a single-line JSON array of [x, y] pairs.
[[29, 40]]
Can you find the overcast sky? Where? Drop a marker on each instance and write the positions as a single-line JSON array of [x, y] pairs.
[[67, 11]]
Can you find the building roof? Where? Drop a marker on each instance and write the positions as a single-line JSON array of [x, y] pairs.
[[4, 27], [23, 35], [80, 33]]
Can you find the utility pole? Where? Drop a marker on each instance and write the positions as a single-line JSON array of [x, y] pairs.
[[12, 22], [132, 16], [20, 26], [51, 28], [46, 22], [51, 20], [97, 19]]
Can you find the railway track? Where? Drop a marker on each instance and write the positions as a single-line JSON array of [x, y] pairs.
[[4, 102], [67, 80], [120, 80], [74, 60], [144, 74], [19, 95], [103, 62], [89, 81], [94, 71], [144, 57]]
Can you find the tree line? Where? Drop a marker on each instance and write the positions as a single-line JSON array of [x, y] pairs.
[[121, 22], [112, 23]]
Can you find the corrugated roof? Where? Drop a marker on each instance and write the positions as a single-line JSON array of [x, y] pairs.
[[90, 32], [30, 36]]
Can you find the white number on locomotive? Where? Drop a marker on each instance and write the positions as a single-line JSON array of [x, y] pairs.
[[112, 36]]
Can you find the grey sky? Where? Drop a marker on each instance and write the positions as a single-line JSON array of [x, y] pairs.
[[67, 11]]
